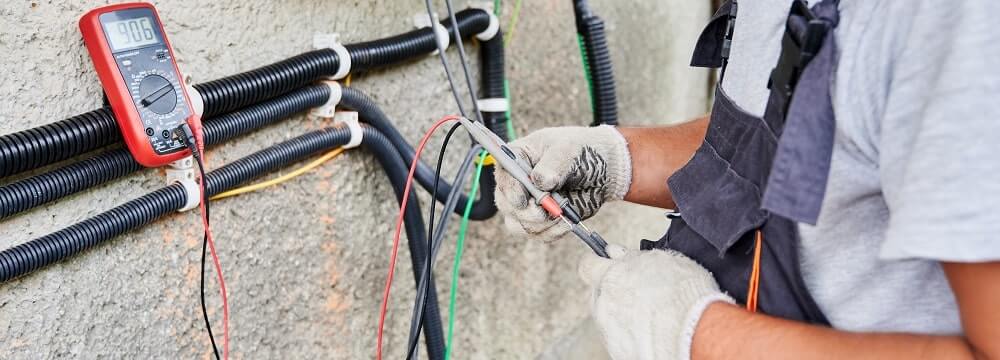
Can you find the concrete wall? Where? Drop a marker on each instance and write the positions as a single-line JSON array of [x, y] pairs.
[[305, 261]]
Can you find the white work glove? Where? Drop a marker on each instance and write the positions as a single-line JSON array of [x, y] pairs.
[[648, 303], [587, 165]]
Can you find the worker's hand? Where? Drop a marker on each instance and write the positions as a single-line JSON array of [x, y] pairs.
[[648, 303], [587, 165]]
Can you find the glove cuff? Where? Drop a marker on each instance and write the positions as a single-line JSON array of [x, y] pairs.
[[619, 163], [691, 322]]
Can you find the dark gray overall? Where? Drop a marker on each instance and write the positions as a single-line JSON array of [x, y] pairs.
[[766, 174]]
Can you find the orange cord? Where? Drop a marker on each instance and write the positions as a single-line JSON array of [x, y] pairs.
[[755, 273]]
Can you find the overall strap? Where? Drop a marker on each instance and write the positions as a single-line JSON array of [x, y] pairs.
[[797, 183]]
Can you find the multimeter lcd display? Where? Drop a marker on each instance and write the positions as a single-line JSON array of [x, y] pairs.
[[131, 33]]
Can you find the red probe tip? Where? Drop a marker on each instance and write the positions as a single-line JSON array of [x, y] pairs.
[[551, 206]]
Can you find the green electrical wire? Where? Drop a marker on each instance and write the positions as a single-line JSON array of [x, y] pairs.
[[464, 225], [586, 71], [513, 23], [459, 245]]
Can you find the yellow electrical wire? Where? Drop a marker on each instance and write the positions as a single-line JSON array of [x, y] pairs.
[[347, 81], [302, 170]]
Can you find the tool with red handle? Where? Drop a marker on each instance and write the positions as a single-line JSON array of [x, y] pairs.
[[136, 66]]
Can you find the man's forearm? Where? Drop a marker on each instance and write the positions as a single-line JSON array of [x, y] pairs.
[[658, 152], [728, 332]]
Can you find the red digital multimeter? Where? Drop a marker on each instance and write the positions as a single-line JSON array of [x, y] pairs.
[[136, 67]]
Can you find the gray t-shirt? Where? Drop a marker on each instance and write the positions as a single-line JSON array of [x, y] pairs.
[[915, 177]]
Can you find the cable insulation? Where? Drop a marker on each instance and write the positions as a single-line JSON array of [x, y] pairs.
[[459, 246], [399, 227]]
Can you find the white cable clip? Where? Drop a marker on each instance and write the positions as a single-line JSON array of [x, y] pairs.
[[328, 109], [350, 119], [421, 20], [494, 27], [182, 172], [332, 41], [197, 102], [494, 105]]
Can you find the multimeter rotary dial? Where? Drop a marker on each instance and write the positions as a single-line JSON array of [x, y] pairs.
[[157, 94], [154, 92]]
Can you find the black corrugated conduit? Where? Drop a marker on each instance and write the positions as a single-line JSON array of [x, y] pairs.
[[484, 208], [38, 190], [492, 57], [33, 148], [416, 237], [598, 64], [43, 145], [34, 254], [49, 249], [25, 194]]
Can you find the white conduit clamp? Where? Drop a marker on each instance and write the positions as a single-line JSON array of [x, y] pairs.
[[494, 105], [332, 41], [492, 30], [182, 172], [197, 102], [329, 109], [421, 21], [350, 119], [494, 27]]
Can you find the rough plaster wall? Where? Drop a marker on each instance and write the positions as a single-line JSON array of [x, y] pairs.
[[305, 262]]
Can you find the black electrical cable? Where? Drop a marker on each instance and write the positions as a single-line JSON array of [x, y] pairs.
[[457, 188], [370, 113], [28, 193], [36, 147], [204, 254], [397, 171], [429, 262], [187, 137]]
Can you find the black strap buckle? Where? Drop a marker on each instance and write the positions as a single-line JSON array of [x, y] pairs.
[[804, 35]]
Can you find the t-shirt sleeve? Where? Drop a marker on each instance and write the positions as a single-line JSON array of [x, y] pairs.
[[939, 145]]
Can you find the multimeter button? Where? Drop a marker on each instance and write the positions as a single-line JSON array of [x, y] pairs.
[[157, 94], [149, 131]]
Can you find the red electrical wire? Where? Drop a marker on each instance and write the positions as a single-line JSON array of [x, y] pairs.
[[399, 227], [200, 143]]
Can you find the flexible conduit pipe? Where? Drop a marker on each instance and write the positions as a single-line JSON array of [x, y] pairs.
[[492, 59], [38, 190], [49, 249], [598, 64], [416, 236], [33, 148], [371, 114], [28, 193]]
